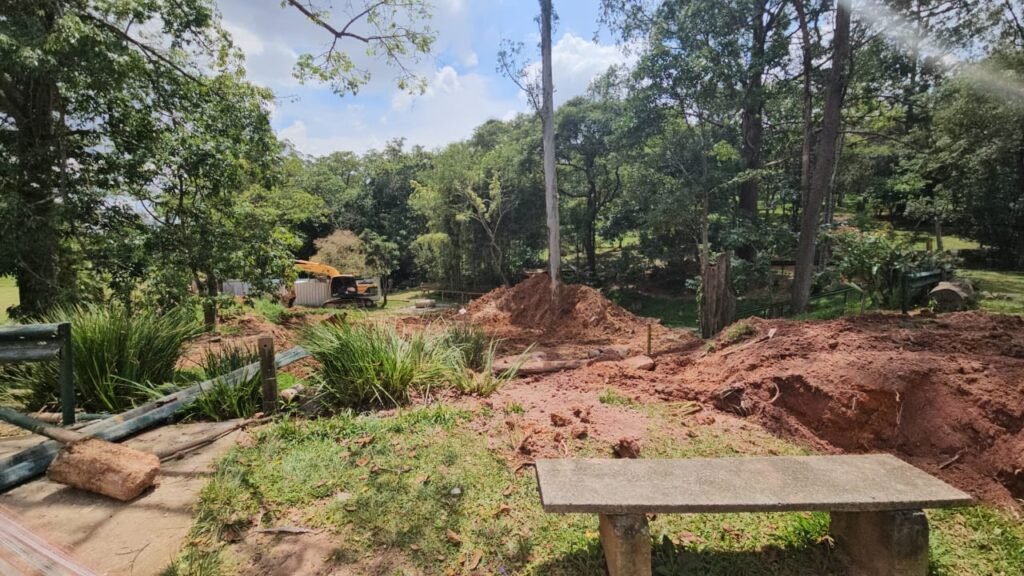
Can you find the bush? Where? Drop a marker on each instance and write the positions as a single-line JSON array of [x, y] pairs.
[[371, 365], [120, 357], [472, 341], [221, 400]]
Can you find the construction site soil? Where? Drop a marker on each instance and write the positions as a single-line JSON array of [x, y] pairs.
[[945, 393]]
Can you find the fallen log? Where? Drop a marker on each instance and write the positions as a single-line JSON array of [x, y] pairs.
[[93, 465], [32, 462]]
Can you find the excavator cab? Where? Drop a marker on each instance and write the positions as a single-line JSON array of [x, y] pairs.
[[345, 289]]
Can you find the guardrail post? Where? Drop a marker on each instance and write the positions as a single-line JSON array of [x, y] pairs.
[[67, 374], [268, 373]]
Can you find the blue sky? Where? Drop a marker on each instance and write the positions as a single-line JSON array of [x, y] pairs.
[[463, 88]]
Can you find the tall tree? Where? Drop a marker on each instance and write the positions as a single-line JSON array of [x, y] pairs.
[[548, 118], [395, 30], [825, 158], [72, 74]]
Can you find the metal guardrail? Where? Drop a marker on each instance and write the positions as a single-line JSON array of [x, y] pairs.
[[912, 285], [43, 343], [784, 308]]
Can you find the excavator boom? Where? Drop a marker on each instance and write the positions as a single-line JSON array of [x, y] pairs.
[[317, 268]]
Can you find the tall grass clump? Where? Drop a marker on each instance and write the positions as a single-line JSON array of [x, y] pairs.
[[221, 399], [476, 347], [120, 358], [372, 365]]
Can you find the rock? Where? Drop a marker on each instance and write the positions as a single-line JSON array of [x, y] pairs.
[[639, 363], [105, 468], [627, 448], [291, 394], [559, 419]]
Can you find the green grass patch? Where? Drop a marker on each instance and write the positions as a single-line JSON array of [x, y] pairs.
[[8, 296], [424, 489], [613, 397], [1007, 286], [950, 243], [679, 312], [221, 400]]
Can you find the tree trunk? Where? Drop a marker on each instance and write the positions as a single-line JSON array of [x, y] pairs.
[[752, 128], [807, 59], [548, 118], [209, 303], [938, 234], [36, 243], [590, 231], [718, 300], [825, 159]]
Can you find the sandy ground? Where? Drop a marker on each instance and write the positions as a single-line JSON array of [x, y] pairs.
[[113, 538]]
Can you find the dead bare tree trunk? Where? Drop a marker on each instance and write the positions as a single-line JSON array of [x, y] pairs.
[[718, 300], [550, 177], [807, 60], [825, 160]]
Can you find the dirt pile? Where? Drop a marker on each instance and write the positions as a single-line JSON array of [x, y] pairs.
[[576, 312], [946, 393]]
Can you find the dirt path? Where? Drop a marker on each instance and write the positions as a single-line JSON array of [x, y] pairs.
[[138, 538]]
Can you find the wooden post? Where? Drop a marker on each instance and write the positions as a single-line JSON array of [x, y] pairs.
[[268, 373], [648, 338], [627, 544], [67, 374]]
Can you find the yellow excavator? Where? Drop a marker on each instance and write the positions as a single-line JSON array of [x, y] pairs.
[[345, 288]]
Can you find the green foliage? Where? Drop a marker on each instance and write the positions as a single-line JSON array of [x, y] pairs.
[[472, 341], [343, 250], [223, 399], [876, 261], [738, 332], [372, 365], [394, 30], [120, 357], [613, 397]]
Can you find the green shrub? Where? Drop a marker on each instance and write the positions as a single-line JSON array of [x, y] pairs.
[[221, 400], [120, 357], [737, 332], [473, 342], [371, 365]]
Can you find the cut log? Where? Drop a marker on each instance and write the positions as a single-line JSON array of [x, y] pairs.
[[32, 462], [949, 297], [113, 470]]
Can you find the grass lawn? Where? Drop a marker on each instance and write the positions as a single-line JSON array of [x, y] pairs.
[[425, 493], [950, 243], [678, 312], [8, 296], [1009, 285]]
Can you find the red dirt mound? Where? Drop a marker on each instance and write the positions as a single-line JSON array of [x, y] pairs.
[[575, 313], [946, 393]]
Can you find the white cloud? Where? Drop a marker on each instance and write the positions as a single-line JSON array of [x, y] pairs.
[[450, 108], [245, 39], [576, 62], [470, 59]]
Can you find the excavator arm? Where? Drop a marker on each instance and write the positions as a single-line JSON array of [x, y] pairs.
[[317, 268]]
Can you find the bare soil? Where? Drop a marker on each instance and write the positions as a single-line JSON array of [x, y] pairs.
[[945, 393]]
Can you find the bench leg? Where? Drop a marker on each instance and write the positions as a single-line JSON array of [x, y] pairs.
[[883, 543], [627, 544]]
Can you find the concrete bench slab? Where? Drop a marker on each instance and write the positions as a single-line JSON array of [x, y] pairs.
[[759, 484], [875, 501]]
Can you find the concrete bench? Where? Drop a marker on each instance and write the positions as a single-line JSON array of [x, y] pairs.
[[875, 501]]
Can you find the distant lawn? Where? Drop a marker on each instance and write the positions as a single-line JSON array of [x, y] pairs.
[[949, 243], [8, 296], [1008, 285], [677, 312]]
